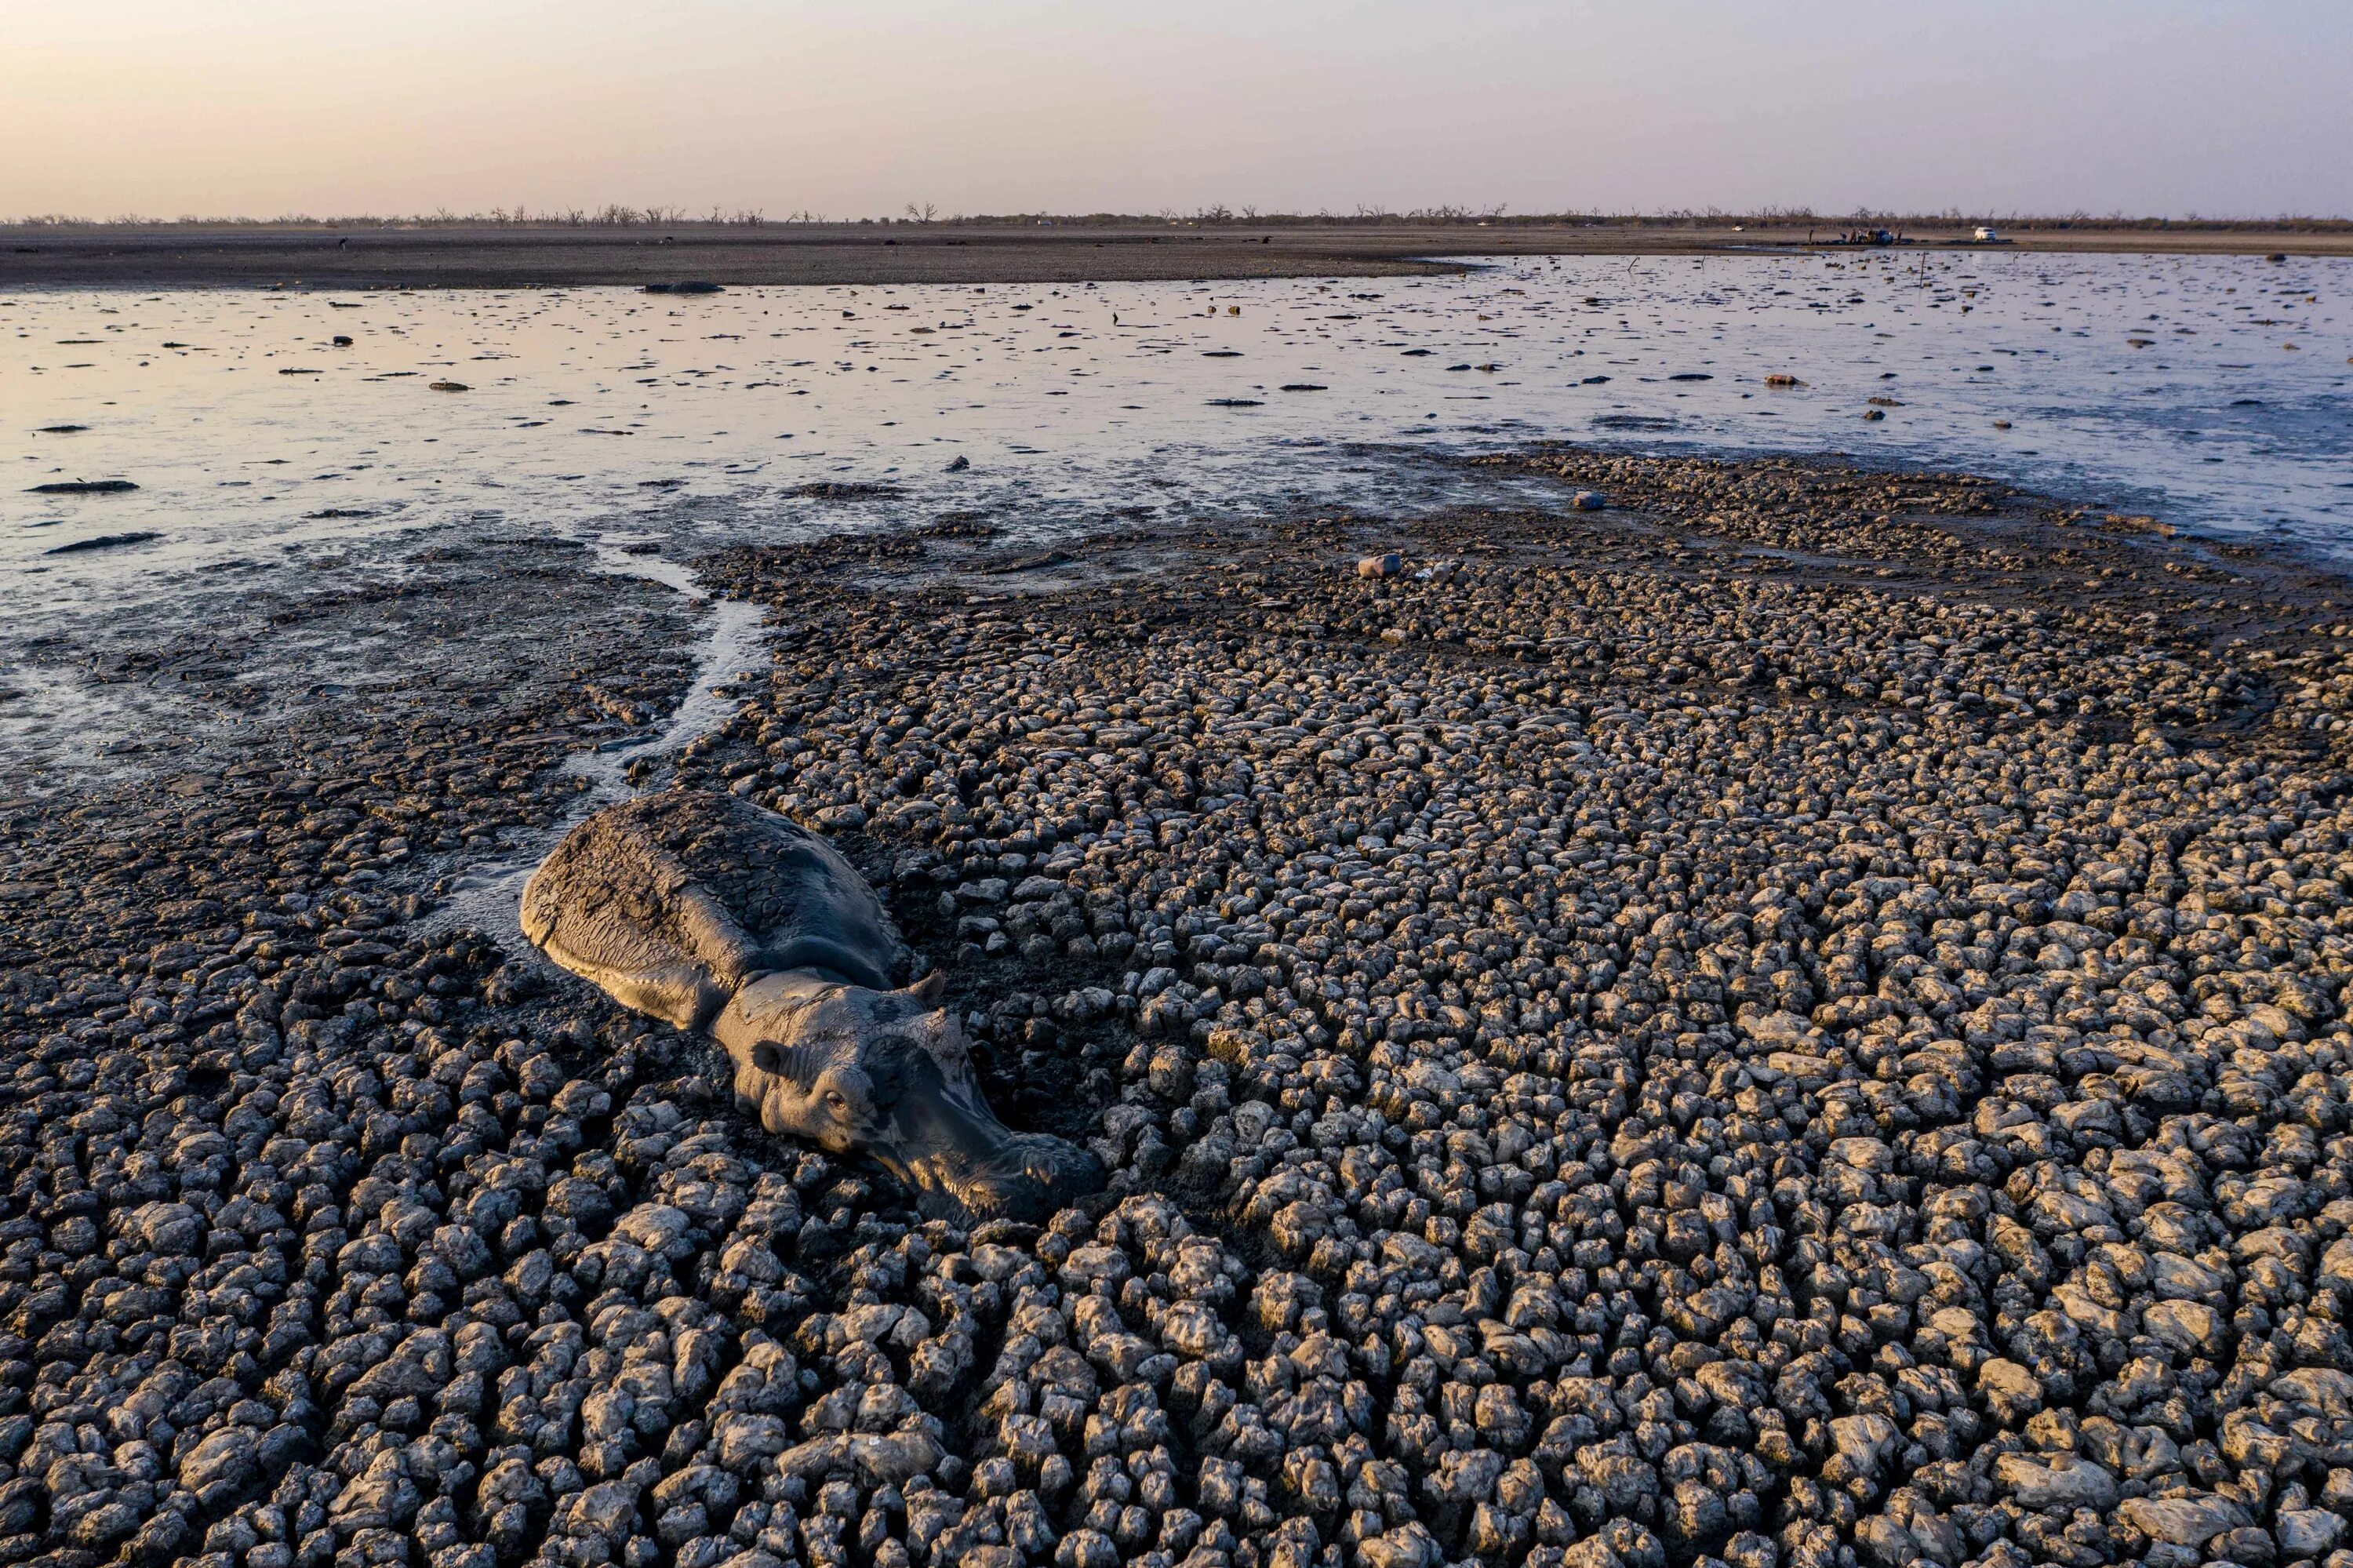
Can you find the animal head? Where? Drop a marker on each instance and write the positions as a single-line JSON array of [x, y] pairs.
[[886, 1072], [832, 1063]]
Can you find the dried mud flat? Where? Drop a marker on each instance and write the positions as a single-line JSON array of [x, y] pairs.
[[1796, 1019]]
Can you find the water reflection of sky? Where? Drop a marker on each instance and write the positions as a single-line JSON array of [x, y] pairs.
[[2214, 391]]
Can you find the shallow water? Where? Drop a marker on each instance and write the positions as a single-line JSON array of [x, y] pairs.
[[2212, 391], [2170, 380]]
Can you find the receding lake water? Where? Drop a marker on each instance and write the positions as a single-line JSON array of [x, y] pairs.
[[268, 433]]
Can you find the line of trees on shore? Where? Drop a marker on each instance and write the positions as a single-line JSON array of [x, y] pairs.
[[925, 213]]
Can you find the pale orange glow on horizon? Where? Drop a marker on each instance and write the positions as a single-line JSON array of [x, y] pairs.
[[265, 107]]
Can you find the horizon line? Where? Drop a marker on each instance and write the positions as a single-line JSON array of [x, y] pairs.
[[619, 217]]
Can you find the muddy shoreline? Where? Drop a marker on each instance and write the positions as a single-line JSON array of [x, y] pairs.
[[363, 258], [1799, 1012]]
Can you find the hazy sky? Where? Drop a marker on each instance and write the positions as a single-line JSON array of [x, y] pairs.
[[262, 107]]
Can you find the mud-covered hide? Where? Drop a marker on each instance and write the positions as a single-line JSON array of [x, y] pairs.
[[888, 1073], [671, 901], [710, 913]]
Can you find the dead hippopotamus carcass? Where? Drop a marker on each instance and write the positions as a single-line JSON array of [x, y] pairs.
[[708, 913]]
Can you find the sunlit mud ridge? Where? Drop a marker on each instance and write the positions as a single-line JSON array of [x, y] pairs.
[[1797, 1018]]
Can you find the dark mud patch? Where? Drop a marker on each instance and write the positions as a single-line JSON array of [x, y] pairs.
[[104, 542]]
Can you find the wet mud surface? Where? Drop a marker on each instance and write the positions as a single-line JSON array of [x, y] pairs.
[[1795, 1018]]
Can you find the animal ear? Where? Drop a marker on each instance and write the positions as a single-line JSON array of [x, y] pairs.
[[930, 989], [798, 1064]]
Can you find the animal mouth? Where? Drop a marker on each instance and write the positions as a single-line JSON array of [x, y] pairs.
[[966, 1165]]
